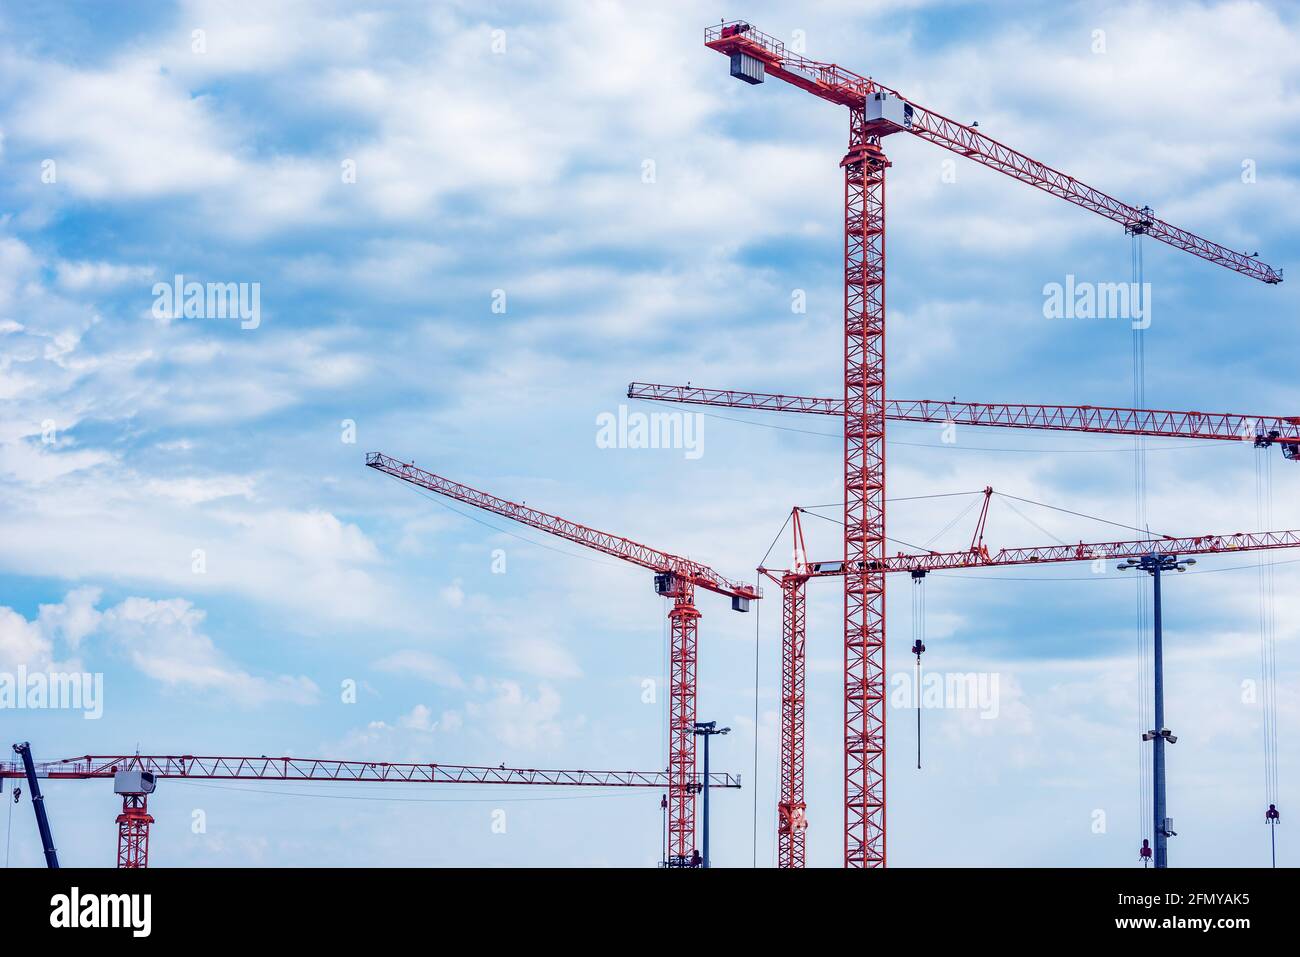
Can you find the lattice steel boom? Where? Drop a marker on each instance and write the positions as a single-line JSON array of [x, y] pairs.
[[232, 768], [614, 545], [134, 776], [846, 88], [1109, 420], [1079, 552]]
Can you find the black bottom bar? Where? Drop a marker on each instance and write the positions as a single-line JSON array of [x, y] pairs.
[[331, 905]]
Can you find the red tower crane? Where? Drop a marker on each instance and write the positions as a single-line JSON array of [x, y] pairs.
[[791, 807], [876, 111], [675, 578], [791, 811], [134, 777]]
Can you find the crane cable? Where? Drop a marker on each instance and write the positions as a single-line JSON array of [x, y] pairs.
[[918, 648], [1268, 644], [777, 782], [1026, 518], [758, 611], [957, 518], [668, 709], [10, 827]]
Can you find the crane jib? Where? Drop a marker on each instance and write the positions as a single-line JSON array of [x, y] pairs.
[[846, 88]]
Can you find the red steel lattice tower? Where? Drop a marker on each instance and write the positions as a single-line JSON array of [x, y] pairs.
[[791, 816], [792, 820], [683, 625], [864, 496], [133, 831]]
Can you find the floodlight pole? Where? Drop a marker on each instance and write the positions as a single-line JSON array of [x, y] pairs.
[[706, 730], [1153, 565]]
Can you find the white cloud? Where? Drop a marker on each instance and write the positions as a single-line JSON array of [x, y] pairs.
[[77, 116], [423, 665], [74, 618], [538, 657], [453, 594], [530, 724], [421, 718], [194, 490], [268, 39], [82, 276], [22, 642], [497, 714], [165, 640], [57, 628], [415, 735]]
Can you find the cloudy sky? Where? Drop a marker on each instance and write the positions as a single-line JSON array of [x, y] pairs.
[[470, 226]]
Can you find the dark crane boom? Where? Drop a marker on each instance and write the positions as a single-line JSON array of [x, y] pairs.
[[28, 770]]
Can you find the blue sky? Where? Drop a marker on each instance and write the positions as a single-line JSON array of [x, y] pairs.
[[505, 147]]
